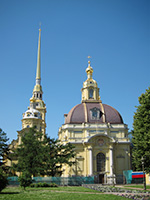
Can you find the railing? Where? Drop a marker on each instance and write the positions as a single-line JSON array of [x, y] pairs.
[[61, 181]]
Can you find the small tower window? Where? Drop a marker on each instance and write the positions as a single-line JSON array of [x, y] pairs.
[[91, 94]]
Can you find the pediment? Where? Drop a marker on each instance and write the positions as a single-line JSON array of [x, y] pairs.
[[100, 139]]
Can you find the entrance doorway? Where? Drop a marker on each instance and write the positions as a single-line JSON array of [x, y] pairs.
[[101, 178]]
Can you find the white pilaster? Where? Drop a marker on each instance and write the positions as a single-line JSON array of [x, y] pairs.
[[90, 162], [111, 161]]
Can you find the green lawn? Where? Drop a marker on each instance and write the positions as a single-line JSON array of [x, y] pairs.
[[138, 186], [60, 193]]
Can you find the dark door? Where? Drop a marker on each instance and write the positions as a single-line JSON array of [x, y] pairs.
[[101, 178]]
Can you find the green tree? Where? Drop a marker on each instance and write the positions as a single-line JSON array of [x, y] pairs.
[[3, 180], [4, 150], [30, 153], [40, 155], [57, 154], [25, 179], [141, 132]]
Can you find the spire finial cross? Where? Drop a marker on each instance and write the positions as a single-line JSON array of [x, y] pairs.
[[40, 26], [89, 59]]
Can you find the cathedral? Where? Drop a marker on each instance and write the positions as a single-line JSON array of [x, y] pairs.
[[99, 135], [95, 129]]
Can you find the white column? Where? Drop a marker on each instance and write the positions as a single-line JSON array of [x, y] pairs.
[[90, 162], [111, 161]]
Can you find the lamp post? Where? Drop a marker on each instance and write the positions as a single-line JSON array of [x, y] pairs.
[[144, 182]]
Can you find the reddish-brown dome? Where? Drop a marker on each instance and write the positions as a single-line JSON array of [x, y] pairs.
[[93, 113]]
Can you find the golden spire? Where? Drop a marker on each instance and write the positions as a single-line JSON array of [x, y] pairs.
[[38, 87], [38, 72]]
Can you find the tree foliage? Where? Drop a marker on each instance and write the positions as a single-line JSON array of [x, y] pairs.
[[25, 179], [141, 132], [29, 153], [57, 154], [41, 155], [3, 180], [4, 150]]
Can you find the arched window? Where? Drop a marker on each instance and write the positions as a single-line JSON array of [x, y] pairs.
[[100, 159], [91, 94]]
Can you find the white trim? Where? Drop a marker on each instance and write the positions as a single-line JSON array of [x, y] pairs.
[[90, 162], [111, 161]]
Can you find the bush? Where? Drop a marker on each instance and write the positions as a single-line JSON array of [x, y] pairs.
[[53, 185], [43, 185], [3, 180], [33, 185], [25, 179]]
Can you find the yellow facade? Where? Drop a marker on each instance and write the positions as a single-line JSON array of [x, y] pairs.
[[99, 135], [148, 179]]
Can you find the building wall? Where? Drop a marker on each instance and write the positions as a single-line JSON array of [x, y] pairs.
[[148, 179], [100, 138]]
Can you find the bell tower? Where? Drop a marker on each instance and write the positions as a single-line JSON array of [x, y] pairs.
[[35, 115], [90, 90]]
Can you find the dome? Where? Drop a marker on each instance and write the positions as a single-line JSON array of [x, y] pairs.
[[32, 113], [93, 113]]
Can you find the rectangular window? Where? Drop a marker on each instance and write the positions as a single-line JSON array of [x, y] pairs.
[[77, 131]]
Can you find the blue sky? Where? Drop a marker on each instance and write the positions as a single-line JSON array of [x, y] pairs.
[[115, 33]]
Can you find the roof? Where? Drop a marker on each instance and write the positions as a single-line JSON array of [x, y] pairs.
[[93, 113], [32, 113]]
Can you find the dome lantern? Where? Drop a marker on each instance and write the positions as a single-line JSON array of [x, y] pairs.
[[90, 90], [89, 71]]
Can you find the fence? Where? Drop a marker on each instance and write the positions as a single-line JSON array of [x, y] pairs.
[[61, 181], [128, 176]]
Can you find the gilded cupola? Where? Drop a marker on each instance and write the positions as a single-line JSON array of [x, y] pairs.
[[90, 90]]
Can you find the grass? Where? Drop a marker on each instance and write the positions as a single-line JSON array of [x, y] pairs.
[[138, 186], [60, 193]]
